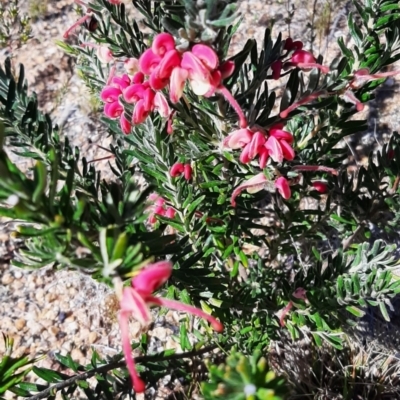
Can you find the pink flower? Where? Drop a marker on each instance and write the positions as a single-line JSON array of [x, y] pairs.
[[274, 149], [149, 61], [170, 213], [110, 94], [162, 43], [200, 77], [238, 139], [187, 172], [140, 112], [171, 60], [134, 93], [305, 60], [282, 185], [301, 294], [277, 131], [253, 185], [161, 104], [276, 68], [177, 83], [176, 170], [136, 301], [292, 45], [125, 125], [157, 207], [113, 110], [320, 186]]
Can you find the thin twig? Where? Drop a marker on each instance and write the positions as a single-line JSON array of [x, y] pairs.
[[51, 391]]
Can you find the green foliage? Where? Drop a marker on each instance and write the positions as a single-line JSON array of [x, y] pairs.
[[13, 370], [245, 265], [15, 27], [244, 378]]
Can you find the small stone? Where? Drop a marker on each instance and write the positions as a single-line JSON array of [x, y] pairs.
[[84, 335], [77, 355], [92, 337], [34, 327], [50, 297], [39, 281], [6, 279], [20, 324], [47, 323], [39, 295], [17, 285], [67, 346], [17, 274], [21, 305], [54, 330], [72, 327]]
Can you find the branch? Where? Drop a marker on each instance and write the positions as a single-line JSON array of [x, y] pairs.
[[52, 390]]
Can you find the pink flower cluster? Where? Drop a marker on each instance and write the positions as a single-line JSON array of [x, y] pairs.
[[276, 143], [135, 91], [159, 207], [164, 66], [137, 300]]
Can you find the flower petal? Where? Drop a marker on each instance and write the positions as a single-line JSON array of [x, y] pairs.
[[152, 277], [109, 94], [113, 110], [238, 139], [171, 60], [206, 55], [132, 302], [280, 134], [257, 141], [177, 83], [134, 93], [148, 61], [282, 185], [274, 149], [125, 124], [163, 43], [287, 150], [161, 104]]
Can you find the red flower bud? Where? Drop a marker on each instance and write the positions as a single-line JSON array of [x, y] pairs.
[[188, 172], [176, 170], [320, 186]]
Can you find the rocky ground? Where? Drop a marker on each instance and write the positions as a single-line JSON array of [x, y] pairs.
[[46, 311]]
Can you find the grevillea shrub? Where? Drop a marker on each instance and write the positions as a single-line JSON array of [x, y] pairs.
[[250, 224]]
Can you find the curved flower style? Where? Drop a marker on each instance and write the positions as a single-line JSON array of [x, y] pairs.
[[253, 185], [301, 294], [136, 301]]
